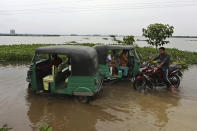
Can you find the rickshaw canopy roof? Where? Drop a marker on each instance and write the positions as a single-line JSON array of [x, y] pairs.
[[102, 51], [84, 59], [113, 47]]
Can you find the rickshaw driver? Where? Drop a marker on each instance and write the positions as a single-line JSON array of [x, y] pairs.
[[123, 63], [164, 65]]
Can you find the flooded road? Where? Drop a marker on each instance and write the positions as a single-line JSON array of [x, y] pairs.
[[119, 108]]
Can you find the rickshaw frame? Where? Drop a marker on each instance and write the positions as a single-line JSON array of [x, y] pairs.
[[104, 68], [84, 79]]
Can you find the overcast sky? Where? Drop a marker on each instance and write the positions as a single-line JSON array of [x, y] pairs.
[[96, 16]]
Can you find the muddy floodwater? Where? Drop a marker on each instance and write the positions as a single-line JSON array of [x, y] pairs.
[[119, 108]]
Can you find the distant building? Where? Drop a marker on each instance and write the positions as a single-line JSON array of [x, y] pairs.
[[12, 32]]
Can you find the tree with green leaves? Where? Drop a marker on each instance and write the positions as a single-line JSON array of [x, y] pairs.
[[5, 128], [128, 40], [157, 34]]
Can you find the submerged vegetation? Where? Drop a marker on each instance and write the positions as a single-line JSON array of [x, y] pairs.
[[24, 53], [45, 128], [178, 57], [42, 128], [18, 53], [5, 128]]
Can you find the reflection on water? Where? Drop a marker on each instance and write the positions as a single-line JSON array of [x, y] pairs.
[[118, 108], [64, 113]]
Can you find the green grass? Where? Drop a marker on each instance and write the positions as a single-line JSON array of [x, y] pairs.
[[24, 53]]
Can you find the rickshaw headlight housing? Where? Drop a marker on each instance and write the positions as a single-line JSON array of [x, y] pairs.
[[95, 81]]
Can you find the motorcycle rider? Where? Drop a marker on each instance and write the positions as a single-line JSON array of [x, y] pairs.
[[164, 66]]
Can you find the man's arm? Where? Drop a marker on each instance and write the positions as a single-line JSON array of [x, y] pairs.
[[157, 57], [160, 65], [125, 58]]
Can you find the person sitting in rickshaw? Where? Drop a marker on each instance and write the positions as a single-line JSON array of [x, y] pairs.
[[112, 61], [123, 63], [56, 61], [44, 70]]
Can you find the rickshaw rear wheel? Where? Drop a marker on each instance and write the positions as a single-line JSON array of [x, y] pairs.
[[83, 99], [141, 86]]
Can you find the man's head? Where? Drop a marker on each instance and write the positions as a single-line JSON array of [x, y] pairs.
[[162, 50]]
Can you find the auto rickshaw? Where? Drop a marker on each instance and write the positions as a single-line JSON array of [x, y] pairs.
[[104, 67], [77, 73]]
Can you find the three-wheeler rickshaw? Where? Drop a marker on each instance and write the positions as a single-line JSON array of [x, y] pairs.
[[71, 70], [129, 71]]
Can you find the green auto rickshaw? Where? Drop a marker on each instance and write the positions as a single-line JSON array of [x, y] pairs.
[[129, 70], [65, 69]]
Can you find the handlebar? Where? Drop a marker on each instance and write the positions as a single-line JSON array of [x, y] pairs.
[[145, 64]]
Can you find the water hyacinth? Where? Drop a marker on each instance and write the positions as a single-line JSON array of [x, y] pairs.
[[24, 53]]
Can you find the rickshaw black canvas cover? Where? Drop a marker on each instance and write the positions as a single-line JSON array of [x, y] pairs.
[[102, 51], [83, 59]]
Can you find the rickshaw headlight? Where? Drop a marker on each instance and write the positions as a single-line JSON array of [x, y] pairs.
[[95, 81]]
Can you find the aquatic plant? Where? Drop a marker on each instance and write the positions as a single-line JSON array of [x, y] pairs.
[[24, 53], [45, 128], [5, 128], [115, 39], [179, 57]]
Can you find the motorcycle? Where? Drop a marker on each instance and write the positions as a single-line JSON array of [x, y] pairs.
[[150, 77]]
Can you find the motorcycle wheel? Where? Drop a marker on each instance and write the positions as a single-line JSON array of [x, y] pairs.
[[175, 80], [141, 86], [180, 74]]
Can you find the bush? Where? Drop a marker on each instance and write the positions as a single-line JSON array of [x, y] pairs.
[[128, 40]]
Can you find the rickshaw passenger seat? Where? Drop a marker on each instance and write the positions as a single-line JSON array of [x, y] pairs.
[[119, 73], [62, 66], [48, 79]]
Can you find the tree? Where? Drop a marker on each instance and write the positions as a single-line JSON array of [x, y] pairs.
[[157, 34], [128, 40]]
